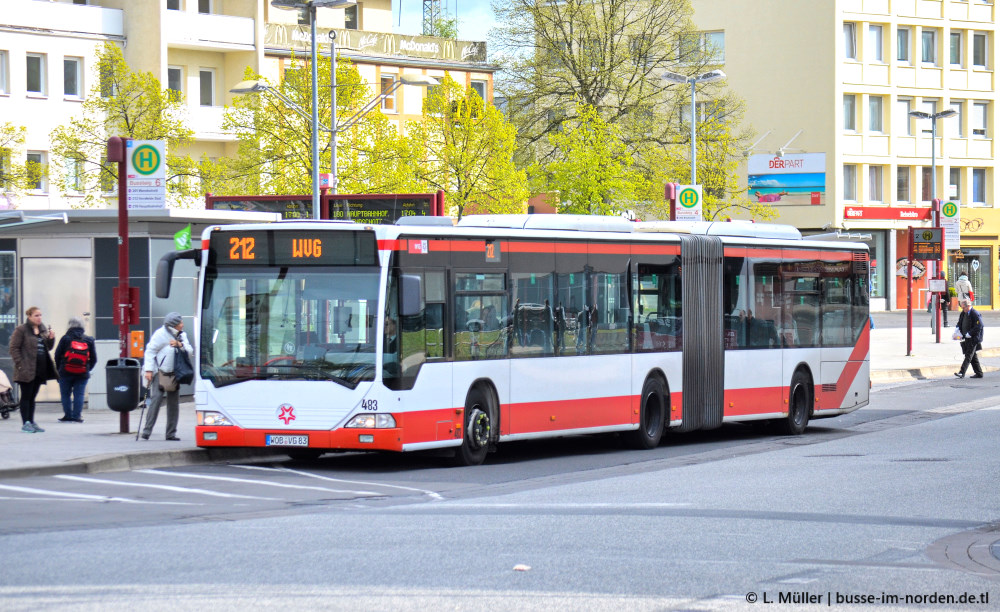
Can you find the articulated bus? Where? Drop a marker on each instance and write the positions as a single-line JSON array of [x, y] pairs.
[[322, 336]]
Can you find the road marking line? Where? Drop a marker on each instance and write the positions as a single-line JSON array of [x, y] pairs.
[[165, 488], [258, 482], [431, 494], [87, 497]]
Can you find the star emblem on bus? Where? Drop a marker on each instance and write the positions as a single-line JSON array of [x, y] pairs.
[[286, 412]]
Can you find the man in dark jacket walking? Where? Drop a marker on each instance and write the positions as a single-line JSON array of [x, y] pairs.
[[970, 328], [76, 356]]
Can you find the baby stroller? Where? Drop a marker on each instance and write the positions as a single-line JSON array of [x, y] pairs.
[[7, 402]]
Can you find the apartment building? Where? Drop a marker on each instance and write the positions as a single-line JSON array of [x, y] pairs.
[[829, 86], [200, 48]]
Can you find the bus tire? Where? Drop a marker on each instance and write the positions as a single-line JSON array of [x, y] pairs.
[[304, 454], [800, 397], [480, 420], [652, 411]]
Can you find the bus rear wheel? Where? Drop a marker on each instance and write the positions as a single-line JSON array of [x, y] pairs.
[[651, 414], [799, 405], [479, 423]]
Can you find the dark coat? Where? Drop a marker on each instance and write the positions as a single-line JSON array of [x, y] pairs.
[[24, 352], [971, 323], [74, 333]]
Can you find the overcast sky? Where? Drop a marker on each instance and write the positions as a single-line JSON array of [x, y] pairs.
[[475, 17]]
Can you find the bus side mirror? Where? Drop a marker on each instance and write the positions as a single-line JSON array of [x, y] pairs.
[[165, 269], [409, 295]]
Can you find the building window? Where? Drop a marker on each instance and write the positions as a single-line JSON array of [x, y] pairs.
[[303, 15], [479, 87], [928, 52], [929, 107], [875, 113], [959, 107], [955, 56], [902, 184], [175, 79], [902, 122], [979, 186], [954, 184], [389, 101], [850, 182], [173, 5], [925, 184], [903, 45], [979, 50], [850, 112], [37, 160], [36, 73], [205, 7], [5, 164], [351, 18], [73, 77], [874, 183], [850, 44], [980, 118], [4, 71], [74, 174], [875, 42], [715, 46], [206, 82], [703, 46]]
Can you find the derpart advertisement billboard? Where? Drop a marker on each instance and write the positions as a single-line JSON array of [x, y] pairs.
[[793, 178]]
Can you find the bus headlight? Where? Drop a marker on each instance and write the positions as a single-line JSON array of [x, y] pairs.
[[372, 421], [212, 419]]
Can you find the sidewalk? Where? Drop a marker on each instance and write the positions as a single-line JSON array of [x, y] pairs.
[[96, 446]]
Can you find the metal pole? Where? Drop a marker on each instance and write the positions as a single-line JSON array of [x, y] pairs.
[[694, 144], [333, 112], [935, 221], [124, 305], [315, 114], [909, 292]]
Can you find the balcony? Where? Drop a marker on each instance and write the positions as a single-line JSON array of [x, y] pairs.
[[206, 121], [86, 20], [186, 30]]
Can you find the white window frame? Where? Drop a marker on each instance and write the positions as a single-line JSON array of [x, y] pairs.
[[211, 7], [903, 45], [875, 174], [79, 77], [850, 112], [903, 176], [875, 42], [980, 119], [180, 6], [985, 38], [954, 178], [43, 72], [876, 114], [43, 184], [714, 46], [388, 104], [180, 81], [201, 86], [979, 186], [850, 41], [74, 174], [850, 182], [954, 48], [902, 117], [924, 47], [479, 86], [959, 107], [4, 72], [356, 9]]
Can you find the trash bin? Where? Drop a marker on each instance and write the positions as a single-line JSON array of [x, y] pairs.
[[124, 387]]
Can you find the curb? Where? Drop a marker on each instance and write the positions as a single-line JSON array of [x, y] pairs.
[[142, 460], [908, 374]]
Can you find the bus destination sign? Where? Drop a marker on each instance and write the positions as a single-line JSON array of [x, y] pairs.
[[269, 248]]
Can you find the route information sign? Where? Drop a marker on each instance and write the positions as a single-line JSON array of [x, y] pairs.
[[927, 244]]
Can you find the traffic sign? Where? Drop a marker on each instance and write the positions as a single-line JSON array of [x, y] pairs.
[[951, 218], [689, 203], [146, 174]]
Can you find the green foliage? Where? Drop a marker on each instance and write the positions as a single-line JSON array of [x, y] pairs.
[[274, 154], [591, 168], [467, 148], [127, 104], [446, 27], [15, 177]]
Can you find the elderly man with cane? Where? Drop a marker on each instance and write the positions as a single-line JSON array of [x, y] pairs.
[[970, 332]]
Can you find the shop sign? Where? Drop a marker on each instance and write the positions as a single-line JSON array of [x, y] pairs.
[[886, 213]]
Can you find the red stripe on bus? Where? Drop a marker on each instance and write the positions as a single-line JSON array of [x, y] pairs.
[[392, 245], [851, 368], [530, 417], [656, 249]]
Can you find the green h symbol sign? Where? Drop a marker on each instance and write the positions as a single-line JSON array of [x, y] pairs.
[[146, 160]]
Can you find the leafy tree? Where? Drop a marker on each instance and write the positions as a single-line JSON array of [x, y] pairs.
[[15, 177], [274, 154], [591, 168], [127, 104], [467, 148]]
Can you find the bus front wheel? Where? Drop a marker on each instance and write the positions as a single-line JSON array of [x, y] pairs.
[[651, 414], [799, 406], [479, 423]]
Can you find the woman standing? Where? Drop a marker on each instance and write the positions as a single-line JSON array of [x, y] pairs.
[[29, 348]]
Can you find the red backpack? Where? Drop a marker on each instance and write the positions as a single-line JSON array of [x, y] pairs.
[[77, 357]]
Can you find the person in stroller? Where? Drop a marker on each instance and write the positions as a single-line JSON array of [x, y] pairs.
[[7, 402]]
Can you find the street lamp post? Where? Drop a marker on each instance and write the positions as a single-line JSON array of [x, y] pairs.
[[708, 77], [937, 212]]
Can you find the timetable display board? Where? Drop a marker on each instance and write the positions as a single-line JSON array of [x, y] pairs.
[[928, 243]]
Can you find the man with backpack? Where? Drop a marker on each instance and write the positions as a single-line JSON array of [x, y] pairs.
[[76, 356]]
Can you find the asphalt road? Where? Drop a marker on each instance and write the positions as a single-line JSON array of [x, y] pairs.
[[897, 499]]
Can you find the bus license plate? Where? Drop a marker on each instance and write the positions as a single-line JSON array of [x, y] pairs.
[[282, 440]]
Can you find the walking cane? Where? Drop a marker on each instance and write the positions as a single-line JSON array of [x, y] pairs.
[[143, 401]]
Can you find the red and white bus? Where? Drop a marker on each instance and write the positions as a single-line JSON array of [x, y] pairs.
[[328, 335]]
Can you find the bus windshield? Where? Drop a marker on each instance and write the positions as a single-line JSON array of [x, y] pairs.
[[289, 323]]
